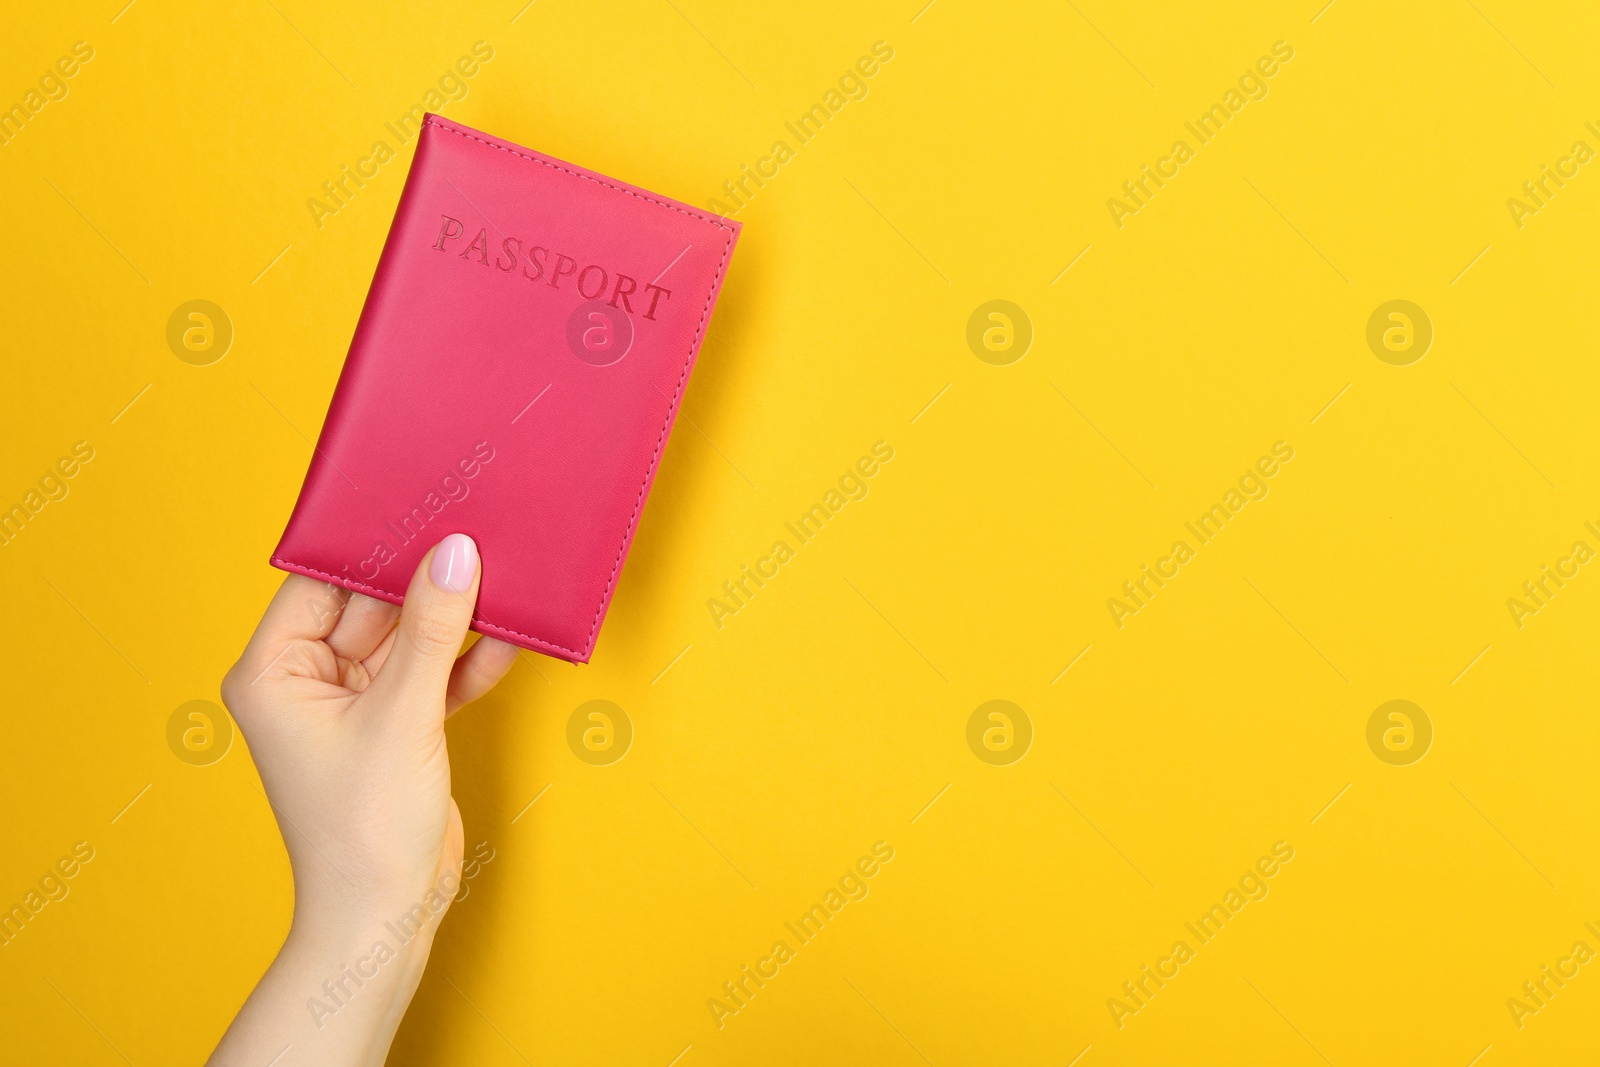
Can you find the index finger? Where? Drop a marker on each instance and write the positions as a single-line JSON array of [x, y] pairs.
[[303, 609]]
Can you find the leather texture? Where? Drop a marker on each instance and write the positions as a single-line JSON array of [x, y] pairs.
[[483, 392]]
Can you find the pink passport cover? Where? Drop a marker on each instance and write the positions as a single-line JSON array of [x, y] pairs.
[[514, 375]]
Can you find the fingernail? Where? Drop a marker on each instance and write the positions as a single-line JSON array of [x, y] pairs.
[[455, 563]]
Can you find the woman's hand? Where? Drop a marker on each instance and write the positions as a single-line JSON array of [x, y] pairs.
[[342, 699]]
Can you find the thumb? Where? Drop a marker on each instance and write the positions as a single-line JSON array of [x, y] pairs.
[[433, 621]]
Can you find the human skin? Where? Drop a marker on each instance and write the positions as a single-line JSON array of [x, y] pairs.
[[342, 699]]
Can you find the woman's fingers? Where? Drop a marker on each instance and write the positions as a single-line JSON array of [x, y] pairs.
[[378, 656], [362, 628], [477, 672], [433, 624], [304, 610], [417, 642]]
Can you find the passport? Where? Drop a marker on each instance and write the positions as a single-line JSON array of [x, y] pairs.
[[514, 376]]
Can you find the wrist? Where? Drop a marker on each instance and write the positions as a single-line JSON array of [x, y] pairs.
[[363, 945], [344, 987], [352, 962], [398, 910]]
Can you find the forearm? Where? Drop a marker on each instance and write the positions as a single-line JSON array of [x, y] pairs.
[[334, 995]]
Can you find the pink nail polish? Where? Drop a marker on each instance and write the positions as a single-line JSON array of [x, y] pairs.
[[455, 563]]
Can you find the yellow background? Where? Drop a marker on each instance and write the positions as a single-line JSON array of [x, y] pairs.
[[831, 710]]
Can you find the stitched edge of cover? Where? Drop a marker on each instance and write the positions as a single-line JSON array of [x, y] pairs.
[[396, 598], [715, 220]]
